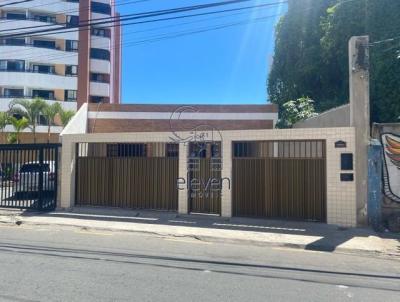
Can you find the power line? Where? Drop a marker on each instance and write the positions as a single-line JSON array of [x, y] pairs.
[[118, 22], [128, 17], [187, 16], [146, 30], [16, 2], [167, 36], [385, 41], [161, 37], [73, 10], [163, 19]]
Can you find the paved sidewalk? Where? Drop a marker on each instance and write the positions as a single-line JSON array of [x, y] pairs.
[[304, 235]]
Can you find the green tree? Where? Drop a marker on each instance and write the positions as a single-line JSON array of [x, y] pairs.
[[298, 68], [66, 116], [311, 54], [31, 110], [4, 121], [296, 111], [12, 138], [50, 112], [380, 20], [19, 126]]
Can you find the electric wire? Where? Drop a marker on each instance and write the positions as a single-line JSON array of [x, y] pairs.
[[109, 21]]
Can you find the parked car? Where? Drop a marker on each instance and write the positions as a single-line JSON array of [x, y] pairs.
[[27, 177]]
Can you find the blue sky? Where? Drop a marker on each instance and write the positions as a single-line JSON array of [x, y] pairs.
[[225, 66]]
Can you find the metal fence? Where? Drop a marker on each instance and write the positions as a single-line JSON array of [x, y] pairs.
[[29, 176]]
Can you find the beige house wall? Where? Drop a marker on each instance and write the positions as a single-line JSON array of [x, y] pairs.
[[341, 196]]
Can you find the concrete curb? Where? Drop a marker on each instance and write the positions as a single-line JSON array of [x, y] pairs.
[[17, 220]]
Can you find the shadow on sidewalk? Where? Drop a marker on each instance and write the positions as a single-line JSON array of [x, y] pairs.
[[330, 236]]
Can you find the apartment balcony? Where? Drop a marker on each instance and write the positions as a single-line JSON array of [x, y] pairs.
[[50, 6], [28, 52], [100, 66], [6, 100], [99, 89], [5, 24], [48, 81], [100, 42]]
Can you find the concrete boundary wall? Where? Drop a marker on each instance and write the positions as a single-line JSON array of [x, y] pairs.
[[341, 195], [78, 123], [335, 117]]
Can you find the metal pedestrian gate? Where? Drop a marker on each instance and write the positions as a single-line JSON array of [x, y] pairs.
[[29, 176], [204, 170]]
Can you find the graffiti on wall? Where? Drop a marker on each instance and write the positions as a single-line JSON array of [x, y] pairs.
[[391, 173]]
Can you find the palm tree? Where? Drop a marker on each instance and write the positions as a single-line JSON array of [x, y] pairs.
[[19, 125], [4, 121], [66, 116], [31, 110], [50, 112]]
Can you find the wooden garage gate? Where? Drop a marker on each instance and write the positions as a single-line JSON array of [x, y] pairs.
[[136, 176], [280, 179]]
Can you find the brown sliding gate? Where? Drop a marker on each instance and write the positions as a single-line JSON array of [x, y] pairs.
[[137, 176], [280, 179]]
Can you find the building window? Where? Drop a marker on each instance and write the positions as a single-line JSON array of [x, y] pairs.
[[99, 99], [101, 32], [126, 150], [72, 21], [42, 120], [13, 42], [172, 150], [100, 77], [71, 70], [44, 69], [71, 45], [17, 116], [101, 8], [44, 94], [70, 95], [44, 44], [100, 54], [44, 18], [12, 65], [16, 16], [13, 93]]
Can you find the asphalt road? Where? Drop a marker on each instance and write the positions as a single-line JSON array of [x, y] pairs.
[[42, 264]]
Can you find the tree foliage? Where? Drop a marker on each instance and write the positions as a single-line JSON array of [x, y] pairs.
[[4, 121], [296, 111], [50, 112], [19, 126], [30, 110], [311, 53], [26, 114], [66, 116]]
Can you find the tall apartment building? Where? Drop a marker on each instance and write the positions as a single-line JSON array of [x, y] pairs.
[[72, 67]]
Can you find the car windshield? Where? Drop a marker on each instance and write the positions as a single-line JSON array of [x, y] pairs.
[[34, 168]]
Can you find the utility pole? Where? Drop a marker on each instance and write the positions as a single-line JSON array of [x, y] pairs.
[[360, 117]]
